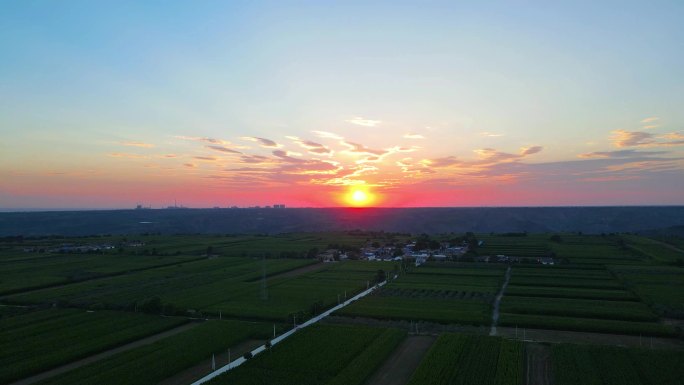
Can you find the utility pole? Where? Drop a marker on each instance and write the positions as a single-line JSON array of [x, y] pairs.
[[213, 362], [273, 330]]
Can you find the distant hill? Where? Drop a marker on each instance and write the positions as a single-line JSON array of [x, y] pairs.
[[414, 220]]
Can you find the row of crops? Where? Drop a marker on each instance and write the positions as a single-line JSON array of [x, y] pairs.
[[37, 341], [605, 365], [576, 299], [467, 359], [226, 286], [150, 364], [320, 354], [447, 294]]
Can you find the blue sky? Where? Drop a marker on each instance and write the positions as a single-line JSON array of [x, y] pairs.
[[105, 104]]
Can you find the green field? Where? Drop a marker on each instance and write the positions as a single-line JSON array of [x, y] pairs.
[[320, 354], [604, 365], [447, 294], [38, 341], [152, 363], [465, 359], [660, 287]]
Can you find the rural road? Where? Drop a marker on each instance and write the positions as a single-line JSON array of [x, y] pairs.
[[497, 302]]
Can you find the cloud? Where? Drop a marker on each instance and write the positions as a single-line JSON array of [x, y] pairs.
[[356, 148], [531, 150], [619, 154], [650, 120], [223, 149], [137, 144], [170, 156], [312, 147], [622, 138], [263, 142], [327, 135], [413, 136], [127, 155], [360, 121], [205, 158], [491, 135], [672, 136], [189, 165], [254, 159]]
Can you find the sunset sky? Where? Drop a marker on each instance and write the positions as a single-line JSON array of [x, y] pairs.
[[107, 104]]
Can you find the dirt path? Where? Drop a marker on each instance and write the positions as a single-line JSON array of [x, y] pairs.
[[198, 371], [538, 364], [541, 335], [497, 302], [400, 365], [105, 354]]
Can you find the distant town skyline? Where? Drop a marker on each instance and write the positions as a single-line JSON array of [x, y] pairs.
[[328, 104]]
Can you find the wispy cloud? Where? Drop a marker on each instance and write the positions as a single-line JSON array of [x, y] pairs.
[[327, 135], [622, 138], [263, 142], [223, 149], [205, 158], [650, 119], [312, 147], [620, 154], [413, 136], [491, 134], [137, 144], [360, 121], [127, 155]]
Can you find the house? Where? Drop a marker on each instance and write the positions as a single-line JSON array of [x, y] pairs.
[[439, 257]]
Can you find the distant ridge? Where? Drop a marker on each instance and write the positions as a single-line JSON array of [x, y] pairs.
[[414, 220]]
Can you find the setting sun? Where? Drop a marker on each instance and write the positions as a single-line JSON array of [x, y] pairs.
[[359, 197]]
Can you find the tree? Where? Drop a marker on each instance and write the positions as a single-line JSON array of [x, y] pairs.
[[380, 276]]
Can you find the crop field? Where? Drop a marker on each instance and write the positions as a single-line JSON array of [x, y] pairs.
[[655, 250], [660, 287], [38, 341], [320, 354], [466, 359], [446, 294], [53, 269], [577, 299], [152, 363], [604, 365], [216, 286], [66, 306]]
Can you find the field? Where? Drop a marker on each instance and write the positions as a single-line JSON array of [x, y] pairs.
[[229, 291], [155, 362], [447, 294], [579, 299], [465, 359], [321, 354], [38, 341], [604, 365]]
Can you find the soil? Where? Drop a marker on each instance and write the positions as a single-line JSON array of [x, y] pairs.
[[538, 364], [400, 365]]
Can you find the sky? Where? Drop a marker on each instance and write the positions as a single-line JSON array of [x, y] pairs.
[[111, 104]]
